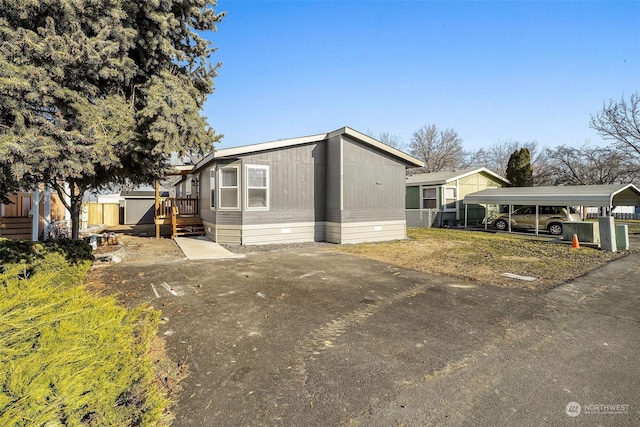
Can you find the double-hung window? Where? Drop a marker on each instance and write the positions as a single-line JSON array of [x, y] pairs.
[[257, 187], [229, 188], [429, 198], [450, 199]]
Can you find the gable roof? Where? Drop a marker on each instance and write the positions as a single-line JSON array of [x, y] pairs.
[[445, 177], [570, 195], [284, 143]]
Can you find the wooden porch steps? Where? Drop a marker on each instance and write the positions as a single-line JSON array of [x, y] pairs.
[[182, 214], [188, 226]]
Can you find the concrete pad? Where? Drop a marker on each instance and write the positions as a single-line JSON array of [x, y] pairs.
[[519, 277], [195, 248]]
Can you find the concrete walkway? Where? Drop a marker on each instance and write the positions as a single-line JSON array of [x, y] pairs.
[[195, 248]]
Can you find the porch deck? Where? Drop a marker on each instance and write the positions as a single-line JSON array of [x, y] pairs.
[[16, 227], [181, 213]]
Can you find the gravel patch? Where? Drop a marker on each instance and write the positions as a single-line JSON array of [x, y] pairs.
[[247, 249]]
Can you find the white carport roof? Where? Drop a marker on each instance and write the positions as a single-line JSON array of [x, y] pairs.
[[571, 195]]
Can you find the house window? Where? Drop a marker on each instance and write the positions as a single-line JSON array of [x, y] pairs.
[[229, 188], [212, 186], [429, 198], [450, 199], [257, 187]]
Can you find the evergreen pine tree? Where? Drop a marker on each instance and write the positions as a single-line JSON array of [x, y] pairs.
[[97, 93], [519, 170]]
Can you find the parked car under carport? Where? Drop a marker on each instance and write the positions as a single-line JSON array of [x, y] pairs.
[[570, 195], [549, 218]]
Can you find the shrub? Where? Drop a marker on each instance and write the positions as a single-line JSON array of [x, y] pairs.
[[70, 357], [26, 251]]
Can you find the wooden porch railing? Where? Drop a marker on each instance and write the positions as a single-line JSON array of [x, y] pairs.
[[184, 206], [168, 209]]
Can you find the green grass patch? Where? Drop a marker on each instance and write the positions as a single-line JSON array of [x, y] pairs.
[[70, 357]]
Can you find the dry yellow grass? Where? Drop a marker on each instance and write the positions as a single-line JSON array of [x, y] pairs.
[[483, 257]]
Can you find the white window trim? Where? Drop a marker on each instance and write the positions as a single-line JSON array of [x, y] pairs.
[[422, 199], [445, 208], [213, 200], [220, 187], [246, 188]]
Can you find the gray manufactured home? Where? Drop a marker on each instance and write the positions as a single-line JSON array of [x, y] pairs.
[[339, 187]]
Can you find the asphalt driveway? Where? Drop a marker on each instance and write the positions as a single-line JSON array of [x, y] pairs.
[[312, 337]]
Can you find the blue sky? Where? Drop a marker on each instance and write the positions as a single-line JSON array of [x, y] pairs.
[[492, 71]]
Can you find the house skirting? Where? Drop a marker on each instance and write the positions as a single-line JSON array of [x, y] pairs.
[[360, 232], [300, 232]]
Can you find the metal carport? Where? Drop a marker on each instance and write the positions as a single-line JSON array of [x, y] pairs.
[[570, 195]]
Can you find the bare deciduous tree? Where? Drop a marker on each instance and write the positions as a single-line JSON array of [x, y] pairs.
[[590, 165], [438, 149], [386, 138], [620, 122], [392, 140], [496, 158]]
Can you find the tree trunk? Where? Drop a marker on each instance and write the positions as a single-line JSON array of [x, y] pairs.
[[75, 218], [73, 205], [76, 205]]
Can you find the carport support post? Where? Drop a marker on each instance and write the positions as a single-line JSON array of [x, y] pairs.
[[537, 216], [486, 217], [465, 215]]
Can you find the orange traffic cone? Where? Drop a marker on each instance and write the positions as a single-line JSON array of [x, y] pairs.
[[575, 243]]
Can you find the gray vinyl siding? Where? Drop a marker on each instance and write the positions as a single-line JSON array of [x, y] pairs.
[[374, 185], [296, 185], [372, 215], [277, 217], [333, 179], [228, 217], [208, 215], [205, 188], [338, 190]]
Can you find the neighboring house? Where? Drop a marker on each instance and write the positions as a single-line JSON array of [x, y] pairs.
[[339, 187], [435, 199], [109, 198], [618, 212]]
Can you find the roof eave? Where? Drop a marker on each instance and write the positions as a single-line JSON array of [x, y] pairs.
[[226, 153]]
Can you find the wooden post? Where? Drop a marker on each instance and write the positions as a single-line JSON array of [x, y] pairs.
[[174, 222], [155, 215]]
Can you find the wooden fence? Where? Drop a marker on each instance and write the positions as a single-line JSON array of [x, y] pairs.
[[103, 213]]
